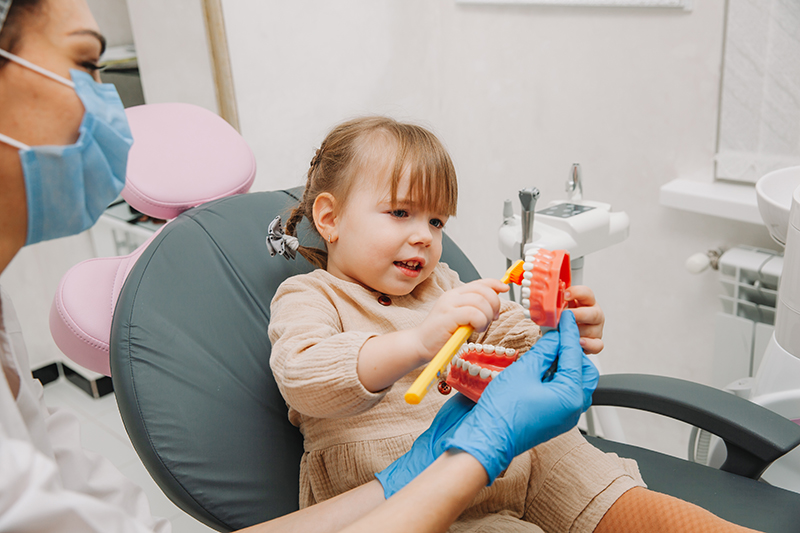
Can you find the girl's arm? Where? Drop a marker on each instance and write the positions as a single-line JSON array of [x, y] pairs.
[[386, 358]]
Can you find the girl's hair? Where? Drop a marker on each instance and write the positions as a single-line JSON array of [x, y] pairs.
[[16, 18], [368, 143]]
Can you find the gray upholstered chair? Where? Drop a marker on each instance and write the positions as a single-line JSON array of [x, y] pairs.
[[190, 366]]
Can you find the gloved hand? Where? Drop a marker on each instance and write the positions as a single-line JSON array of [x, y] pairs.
[[517, 410], [426, 448]]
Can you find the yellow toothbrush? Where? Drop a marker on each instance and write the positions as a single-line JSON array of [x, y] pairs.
[[435, 369]]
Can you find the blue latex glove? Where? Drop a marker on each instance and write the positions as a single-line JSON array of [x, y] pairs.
[[518, 411], [426, 448]]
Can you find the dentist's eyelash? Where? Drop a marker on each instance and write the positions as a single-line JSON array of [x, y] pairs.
[[92, 67]]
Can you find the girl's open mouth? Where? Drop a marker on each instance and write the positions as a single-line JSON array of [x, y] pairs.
[[414, 266], [475, 365]]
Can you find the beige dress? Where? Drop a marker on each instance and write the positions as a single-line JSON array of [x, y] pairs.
[[319, 324]]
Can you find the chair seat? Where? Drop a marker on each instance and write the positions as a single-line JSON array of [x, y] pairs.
[[740, 500]]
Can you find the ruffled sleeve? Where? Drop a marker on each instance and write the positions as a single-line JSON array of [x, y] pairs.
[[313, 361]]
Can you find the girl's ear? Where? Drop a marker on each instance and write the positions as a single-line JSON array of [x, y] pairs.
[[324, 211]]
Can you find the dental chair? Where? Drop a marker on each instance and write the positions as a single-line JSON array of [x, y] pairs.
[[189, 359]]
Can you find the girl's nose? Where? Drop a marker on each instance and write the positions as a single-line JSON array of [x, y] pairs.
[[422, 234]]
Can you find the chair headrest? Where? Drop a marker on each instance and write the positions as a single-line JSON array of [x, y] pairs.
[[183, 156]]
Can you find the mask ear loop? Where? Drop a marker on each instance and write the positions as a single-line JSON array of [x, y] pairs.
[[13, 142], [36, 68]]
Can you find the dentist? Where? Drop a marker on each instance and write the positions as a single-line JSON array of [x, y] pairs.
[[64, 141]]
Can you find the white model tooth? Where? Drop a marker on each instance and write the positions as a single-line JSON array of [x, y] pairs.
[[527, 275], [455, 361], [525, 302], [494, 373], [474, 369], [527, 313], [471, 346], [510, 352], [527, 265], [526, 283], [478, 347], [488, 348], [485, 373], [526, 292], [464, 348]]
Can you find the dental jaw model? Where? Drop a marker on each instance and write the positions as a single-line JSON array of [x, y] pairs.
[[544, 277], [474, 366]]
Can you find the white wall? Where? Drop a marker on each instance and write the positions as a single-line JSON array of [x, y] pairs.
[[518, 94]]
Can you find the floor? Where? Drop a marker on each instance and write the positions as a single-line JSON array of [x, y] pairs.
[[102, 431]]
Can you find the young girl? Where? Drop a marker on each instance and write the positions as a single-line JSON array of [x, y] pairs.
[[350, 337]]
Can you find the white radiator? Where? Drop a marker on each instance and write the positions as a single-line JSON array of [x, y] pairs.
[[749, 278]]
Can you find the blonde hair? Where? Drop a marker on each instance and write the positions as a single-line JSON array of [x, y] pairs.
[[357, 144]]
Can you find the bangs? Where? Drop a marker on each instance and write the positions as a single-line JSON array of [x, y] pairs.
[[432, 177]]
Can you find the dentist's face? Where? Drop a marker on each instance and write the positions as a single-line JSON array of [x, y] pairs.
[[59, 36]]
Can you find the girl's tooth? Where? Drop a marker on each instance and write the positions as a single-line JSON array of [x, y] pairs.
[[485, 373], [474, 369], [494, 373], [478, 347], [488, 348]]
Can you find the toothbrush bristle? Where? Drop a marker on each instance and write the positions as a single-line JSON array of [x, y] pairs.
[[514, 274]]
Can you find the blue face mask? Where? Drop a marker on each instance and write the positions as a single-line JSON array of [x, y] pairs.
[[69, 187]]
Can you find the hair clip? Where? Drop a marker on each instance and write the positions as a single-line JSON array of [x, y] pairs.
[[280, 243]]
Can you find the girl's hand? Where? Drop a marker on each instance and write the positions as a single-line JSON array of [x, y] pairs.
[[588, 315], [475, 304]]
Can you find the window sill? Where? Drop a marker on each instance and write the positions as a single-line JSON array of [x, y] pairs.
[[726, 200]]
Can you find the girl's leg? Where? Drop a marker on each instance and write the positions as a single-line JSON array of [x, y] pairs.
[[573, 484], [646, 511], [493, 523]]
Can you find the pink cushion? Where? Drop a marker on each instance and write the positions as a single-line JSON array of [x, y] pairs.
[[183, 155], [80, 317]]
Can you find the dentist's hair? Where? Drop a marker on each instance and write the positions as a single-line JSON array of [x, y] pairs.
[[19, 13], [369, 148]]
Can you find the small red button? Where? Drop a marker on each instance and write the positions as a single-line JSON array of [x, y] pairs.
[[384, 300]]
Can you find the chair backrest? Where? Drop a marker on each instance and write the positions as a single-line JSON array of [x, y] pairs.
[[183, 156], [190, 361]]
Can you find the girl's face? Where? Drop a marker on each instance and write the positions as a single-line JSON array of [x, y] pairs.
[[390, 249]]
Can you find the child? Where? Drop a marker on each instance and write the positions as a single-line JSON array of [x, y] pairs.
[[349, 338]]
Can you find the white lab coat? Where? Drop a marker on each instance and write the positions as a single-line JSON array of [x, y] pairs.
[[48, 482]]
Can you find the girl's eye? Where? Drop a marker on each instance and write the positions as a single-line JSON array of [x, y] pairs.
[[437, 223], [399, 213]]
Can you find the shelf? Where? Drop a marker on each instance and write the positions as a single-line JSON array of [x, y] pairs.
[[733, 201]]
